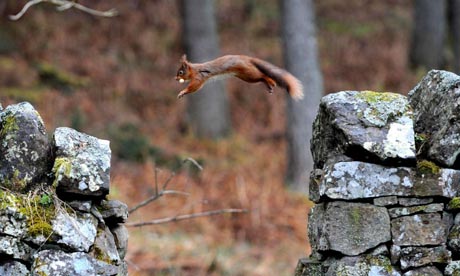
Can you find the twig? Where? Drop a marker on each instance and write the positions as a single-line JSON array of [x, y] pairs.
[[184, 217], [171, 176], [155, 197], [63, 5], [194, 162], [24, 9]]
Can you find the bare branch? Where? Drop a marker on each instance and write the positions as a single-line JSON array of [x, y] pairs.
[[194, 162], [163, 191], [24, 9], [184, 217], [171, 176], [155, 197], [63, 5]]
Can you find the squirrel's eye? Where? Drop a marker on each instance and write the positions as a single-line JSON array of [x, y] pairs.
[[181, 72]]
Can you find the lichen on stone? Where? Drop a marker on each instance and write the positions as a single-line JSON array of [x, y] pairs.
[[383, 107]]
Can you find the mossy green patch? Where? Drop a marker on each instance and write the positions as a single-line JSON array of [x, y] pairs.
[[100, 255], [427, 168], [29, 94], [420, 138], [454, 204], [15, 182], [62, 167], [8, 125], [355, 217], [53, 76], [381, 261], [375, 97], [38, 209]]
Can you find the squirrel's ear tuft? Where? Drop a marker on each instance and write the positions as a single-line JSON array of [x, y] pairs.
[[183, 58]]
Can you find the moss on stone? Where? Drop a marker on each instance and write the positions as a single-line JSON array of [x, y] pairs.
[[375, 97], [8, 125], [420, 138], [38, 213], [454, 204], [356, 219], [100, 255], [427, 167], [16, 183], [62, 167], [381, 261]]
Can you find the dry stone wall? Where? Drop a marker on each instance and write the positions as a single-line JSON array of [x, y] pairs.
[[54, 215], [386, 182]]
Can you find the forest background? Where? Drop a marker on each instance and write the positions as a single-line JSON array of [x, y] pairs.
[[114, 78]]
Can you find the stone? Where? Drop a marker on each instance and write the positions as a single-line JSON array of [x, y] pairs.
[[349, 228], [12, 222], [424, 271], [454, 204], [315, 231], [83, 206], [358, 180], [82, 164], [366, 126], [121, 234], [104, 247], [386, 201], [404, 211], [421, 256], [436, 104], [447, 220], [24, 147], [395, 254], [457, 219], [452, 268], [15, 268], [307, 267], [113, 211], [123, 269], [411, 201], [14, 248], [59, 263], [453, 240], [419, 230], [75, 231], [380, 250], [362, 266]]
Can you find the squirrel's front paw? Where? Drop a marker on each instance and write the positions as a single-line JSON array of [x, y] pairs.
[[181, 94]]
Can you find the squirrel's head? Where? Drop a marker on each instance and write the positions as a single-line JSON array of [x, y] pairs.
[[183, 73]]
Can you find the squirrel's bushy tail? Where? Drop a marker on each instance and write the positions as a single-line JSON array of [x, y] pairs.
[[282, 77]]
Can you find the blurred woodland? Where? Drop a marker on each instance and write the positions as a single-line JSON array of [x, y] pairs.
[[114, 78]]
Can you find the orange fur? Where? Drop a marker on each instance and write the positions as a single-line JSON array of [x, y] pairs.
[[246, 68]]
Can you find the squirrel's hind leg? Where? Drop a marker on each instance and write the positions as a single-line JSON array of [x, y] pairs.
[[270, 83]]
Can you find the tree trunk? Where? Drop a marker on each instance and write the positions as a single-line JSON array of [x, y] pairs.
[[207, 109], [428, 35], [301, 59]]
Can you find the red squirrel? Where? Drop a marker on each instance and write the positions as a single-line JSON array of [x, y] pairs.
[[246, 68]]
